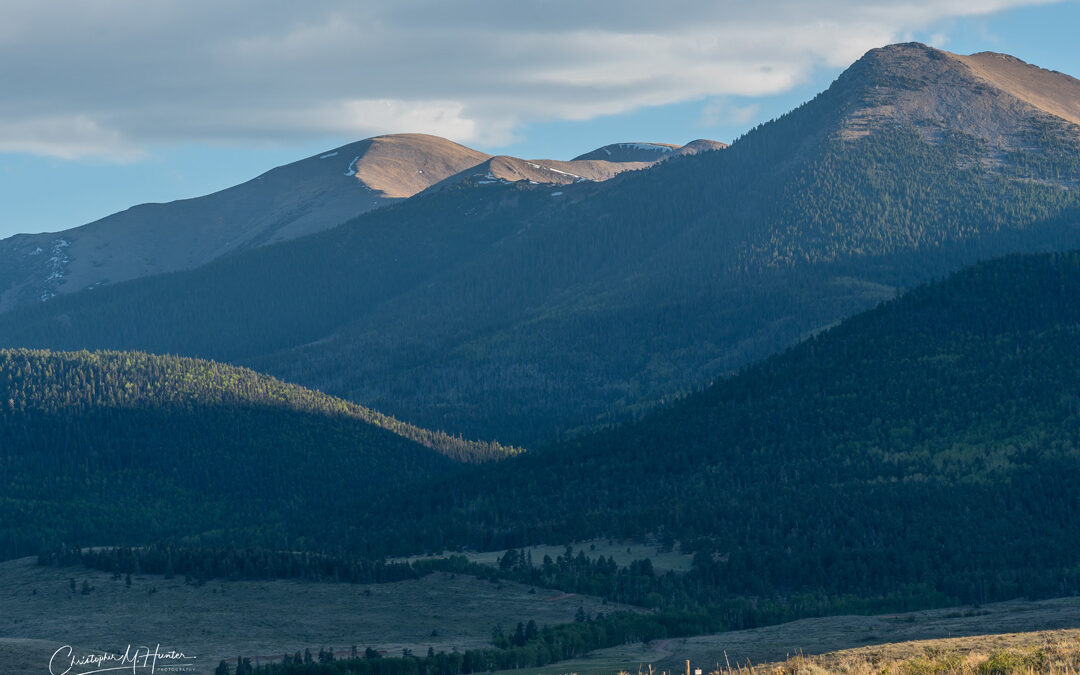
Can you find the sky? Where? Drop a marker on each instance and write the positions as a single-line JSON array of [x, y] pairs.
[[110, 103]]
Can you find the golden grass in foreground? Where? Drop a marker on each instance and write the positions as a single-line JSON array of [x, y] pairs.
[[990, 627], [1050, 652]]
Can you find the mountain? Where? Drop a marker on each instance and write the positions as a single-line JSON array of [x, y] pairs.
[[522, 312], [123, 447], [1049, 90], [401, 165], [987, 95], [284, 203], [505, 169], [931, 443], [599, 165], [649, 152], [291, 201]]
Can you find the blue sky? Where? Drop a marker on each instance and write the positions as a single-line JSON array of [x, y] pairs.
[[151, 156]]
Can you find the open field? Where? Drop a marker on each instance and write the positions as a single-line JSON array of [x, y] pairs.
[[830, 634], [624, 553], [20, 655], [39, 613]]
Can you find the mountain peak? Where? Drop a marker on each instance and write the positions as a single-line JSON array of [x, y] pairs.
[[995, 97], [401, 165], [630, 152], [700, 145]]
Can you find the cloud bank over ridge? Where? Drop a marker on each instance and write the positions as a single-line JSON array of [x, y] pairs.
[[107, 78]]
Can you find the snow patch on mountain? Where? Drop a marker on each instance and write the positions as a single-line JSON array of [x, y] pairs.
[[643, 146], [55, 266], [548, 168]]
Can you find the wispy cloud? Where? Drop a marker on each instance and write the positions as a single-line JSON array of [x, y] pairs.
[[105, 78], [721, 111]]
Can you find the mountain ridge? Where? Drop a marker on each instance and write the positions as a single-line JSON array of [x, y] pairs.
[[650, 152], [290, 201], [1052, 91], [596, 166]]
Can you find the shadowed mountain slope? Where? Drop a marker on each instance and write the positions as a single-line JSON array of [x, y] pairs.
[[929, 443]]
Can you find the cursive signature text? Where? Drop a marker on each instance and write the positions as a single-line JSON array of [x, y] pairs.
[[65, 661]]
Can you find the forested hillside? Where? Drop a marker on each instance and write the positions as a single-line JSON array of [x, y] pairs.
[[106, 448], [523, 313], [929, 446]]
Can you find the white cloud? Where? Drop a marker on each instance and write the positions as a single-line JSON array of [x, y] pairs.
[[67, 137], [108, 77], [938, 40]]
